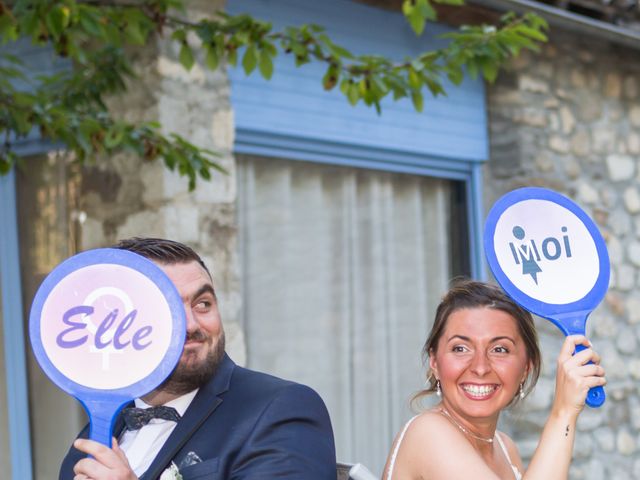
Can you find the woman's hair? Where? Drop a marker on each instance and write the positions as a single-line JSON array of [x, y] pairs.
[[472, 294]]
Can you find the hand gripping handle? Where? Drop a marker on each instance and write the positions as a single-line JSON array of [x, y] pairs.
[[595, 396]]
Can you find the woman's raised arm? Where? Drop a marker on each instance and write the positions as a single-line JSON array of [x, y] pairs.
[[574, 377]]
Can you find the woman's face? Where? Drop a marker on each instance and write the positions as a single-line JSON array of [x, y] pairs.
[[480, 360]]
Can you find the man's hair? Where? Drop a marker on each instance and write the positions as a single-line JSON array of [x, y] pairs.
[[161, 250]]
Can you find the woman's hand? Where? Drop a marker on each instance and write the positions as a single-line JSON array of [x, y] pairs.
[[575, 375]]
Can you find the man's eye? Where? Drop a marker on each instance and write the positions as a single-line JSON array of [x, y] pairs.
[[203, 304]]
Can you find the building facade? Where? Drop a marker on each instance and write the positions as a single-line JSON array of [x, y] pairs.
[[336, 230]]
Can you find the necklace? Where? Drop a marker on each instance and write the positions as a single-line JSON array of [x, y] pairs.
[[464, 430]]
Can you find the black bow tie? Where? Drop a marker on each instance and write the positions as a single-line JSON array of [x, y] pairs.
[[136, 418]]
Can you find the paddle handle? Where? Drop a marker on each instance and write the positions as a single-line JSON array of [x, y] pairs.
[[595, 396], [102, 413], [101, 428]]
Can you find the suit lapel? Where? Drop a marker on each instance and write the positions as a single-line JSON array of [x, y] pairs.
[[204, 403]]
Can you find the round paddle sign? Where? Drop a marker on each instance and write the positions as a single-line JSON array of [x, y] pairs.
[[107, 326], [549, 256]]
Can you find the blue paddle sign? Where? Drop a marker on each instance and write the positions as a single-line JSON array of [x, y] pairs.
[[549, 256], [107, 326]]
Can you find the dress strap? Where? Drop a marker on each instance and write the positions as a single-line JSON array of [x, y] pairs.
[[516, 472], [397, 447]]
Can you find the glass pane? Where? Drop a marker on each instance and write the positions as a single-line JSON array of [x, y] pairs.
[[47, 196]]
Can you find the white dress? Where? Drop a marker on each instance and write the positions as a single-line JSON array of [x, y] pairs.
[[516, 473]]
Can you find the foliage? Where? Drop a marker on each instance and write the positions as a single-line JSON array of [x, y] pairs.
[[70, 107]]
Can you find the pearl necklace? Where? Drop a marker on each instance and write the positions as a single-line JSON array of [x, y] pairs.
[[464, 430]]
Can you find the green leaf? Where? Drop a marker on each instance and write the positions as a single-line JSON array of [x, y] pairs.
[[353, 93], [135, 33], [415, 81], [378, 85], [418, 100], [232, 57], [21, 122], [330, 78], [417, 22], [57, 20], [266, 64], [489, 70], [532, 33], [90, 21], [179, 35], [186, 56], [212, 59], [8, 29], [426, 10], [113, 138], [250, 59], [413, 15], [29, 23], [340, 52], [407, 7], [5, 164], [345, 84]]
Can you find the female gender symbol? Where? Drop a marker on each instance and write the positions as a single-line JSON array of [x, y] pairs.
[[549, 256], [107, 326]]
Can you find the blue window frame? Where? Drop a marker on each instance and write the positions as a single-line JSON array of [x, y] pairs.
[[14, 338]]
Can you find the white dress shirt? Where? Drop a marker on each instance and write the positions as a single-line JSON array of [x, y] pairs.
[[142, 446]]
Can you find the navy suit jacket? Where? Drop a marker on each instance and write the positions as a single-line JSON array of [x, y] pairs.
[[244, 425]]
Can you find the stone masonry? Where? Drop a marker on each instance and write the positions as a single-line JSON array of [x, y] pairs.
[[568, 119], [124, 197]]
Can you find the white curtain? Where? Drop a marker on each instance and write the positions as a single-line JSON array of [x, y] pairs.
[[342, 270]]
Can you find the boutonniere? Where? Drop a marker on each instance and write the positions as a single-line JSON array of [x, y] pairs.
[[171, 473]]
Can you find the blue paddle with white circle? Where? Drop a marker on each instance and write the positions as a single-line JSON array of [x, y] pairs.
[[549, 256], [107, 326]]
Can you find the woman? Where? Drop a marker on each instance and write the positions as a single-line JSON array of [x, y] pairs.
[[484, 356]]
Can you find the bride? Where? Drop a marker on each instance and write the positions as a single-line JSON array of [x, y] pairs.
[[484, 356]]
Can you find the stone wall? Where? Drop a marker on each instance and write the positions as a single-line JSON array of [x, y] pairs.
[[125, 197], [569, 119]]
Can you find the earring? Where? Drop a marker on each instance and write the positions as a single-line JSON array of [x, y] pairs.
[[521, 391], [438, 389]]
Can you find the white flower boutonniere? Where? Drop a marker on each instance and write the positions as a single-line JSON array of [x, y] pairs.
[[171, 473]]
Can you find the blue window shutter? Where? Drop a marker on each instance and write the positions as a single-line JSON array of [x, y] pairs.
[[293, 111]]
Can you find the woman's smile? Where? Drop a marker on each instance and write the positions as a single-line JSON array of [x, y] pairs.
[[479, 392]]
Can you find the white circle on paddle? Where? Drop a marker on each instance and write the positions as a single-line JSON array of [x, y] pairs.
[[546, 251]]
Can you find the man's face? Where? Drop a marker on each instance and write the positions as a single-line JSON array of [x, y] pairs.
[[204, 345]]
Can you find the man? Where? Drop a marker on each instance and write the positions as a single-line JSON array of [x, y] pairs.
[[224, 422]]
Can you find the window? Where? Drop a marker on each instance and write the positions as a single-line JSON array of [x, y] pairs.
[[342, 270]]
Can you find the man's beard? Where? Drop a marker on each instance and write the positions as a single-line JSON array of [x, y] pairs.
[[186, 378]]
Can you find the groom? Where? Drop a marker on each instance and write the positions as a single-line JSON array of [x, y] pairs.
[[210, 419]]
